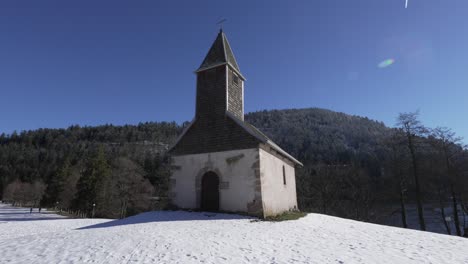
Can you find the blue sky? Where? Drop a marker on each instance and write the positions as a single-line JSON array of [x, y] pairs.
[[124, 62]]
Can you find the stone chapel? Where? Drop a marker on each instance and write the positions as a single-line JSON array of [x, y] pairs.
[[222, 163]]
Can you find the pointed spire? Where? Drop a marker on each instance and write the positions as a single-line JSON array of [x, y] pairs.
[[220, 53]]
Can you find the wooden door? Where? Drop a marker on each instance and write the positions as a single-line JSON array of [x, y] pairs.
[[210, 192]]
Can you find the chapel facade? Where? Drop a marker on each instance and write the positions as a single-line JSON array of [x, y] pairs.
[[222, 163]]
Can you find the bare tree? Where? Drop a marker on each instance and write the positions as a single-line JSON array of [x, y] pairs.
[[398, 165], [9, 191], [413, 129], [438, 181], [37, 191], [463, 187], [24, 193], [325, 186], [66, 197], [130, 187], [357, 187], [449, 147]]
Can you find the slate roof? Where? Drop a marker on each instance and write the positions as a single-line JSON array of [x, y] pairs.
[[262, 137], [220, 53], [250, 129]]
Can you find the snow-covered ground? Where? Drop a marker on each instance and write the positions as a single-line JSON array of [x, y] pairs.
[[184, 237]]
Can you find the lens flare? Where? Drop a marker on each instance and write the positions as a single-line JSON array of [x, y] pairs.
[[386, 63]]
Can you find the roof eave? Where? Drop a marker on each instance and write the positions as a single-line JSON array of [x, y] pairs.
[[284, 153], [264, 140], [221, 64], [181, 135]]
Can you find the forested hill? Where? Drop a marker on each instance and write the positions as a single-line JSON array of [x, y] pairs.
[[315, 134], [353, 165], [52, 165], [311, 135]]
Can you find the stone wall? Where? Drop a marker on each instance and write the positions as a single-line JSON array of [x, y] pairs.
[[238, 172]]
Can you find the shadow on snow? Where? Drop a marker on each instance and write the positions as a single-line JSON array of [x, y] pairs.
[[167, 216]]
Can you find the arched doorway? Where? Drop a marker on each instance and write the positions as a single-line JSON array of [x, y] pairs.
[[210, 192]]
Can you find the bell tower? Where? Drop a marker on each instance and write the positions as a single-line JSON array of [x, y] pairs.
[[221, 162], [220, 85]]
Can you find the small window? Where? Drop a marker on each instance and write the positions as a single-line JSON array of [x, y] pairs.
[[284, 175], [235, 79]]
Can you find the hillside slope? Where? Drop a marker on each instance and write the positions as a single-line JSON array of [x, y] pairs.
[[184, 237], [311, 135], [320, 134]]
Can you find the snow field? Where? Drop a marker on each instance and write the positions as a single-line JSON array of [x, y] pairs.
[[189, 237]]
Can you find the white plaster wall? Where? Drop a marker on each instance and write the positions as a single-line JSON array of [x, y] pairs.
[[240, 176], [277, 197]]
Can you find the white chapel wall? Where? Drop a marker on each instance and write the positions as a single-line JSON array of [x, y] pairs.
[[236, 170], [277, 197]]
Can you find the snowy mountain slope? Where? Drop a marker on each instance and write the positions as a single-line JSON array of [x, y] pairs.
[[184, 237]]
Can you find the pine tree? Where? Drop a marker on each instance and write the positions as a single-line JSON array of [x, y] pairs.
[[56, 184], [157, 168], [91, 187]]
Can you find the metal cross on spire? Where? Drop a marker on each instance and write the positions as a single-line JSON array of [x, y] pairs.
[[220, 23]]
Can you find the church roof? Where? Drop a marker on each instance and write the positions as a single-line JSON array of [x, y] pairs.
[[262, 137], [220, 53], [252, 130]]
